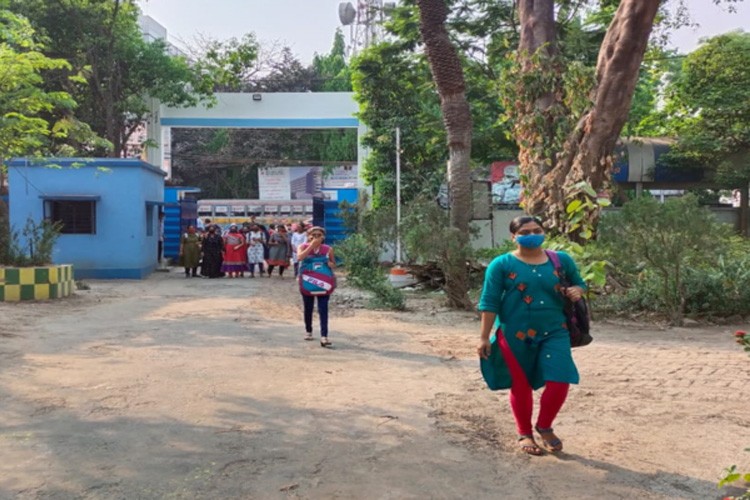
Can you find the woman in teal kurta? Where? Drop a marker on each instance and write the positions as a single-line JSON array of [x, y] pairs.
[[522, 301]]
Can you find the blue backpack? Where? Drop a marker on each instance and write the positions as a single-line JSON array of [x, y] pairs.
[[316, 276]]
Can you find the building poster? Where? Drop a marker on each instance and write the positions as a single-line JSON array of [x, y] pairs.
[[302, 183], [273, 183], [340, 177]]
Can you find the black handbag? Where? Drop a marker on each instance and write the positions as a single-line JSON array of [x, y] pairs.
[[576, 313]]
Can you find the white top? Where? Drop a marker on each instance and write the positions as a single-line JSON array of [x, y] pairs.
[[298, 239]]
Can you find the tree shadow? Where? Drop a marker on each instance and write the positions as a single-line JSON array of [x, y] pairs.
[[256, 448]]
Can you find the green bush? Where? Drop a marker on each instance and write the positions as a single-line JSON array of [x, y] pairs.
[[387, 297], [666, 240], [39, 243], [643, 293], [361, 258], [721, 290], [429, 238]]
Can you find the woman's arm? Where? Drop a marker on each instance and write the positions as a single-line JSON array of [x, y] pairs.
[[490, 303], [488, 322]]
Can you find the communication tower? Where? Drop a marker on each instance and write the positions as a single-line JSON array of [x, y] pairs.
[[365, 19]]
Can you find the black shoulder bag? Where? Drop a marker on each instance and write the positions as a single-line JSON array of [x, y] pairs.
[[576, 313]]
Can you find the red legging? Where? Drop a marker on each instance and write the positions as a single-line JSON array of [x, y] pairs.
[[522, 399]]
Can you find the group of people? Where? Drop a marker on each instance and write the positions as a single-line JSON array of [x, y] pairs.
[[242, 249]]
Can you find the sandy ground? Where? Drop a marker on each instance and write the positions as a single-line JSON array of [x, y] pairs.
[[175, 388]]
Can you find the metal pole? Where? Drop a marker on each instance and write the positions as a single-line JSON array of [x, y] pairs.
[[398, 195]]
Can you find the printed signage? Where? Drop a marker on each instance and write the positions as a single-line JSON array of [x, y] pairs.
[[274, 183]]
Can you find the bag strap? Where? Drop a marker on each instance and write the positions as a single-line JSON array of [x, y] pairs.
[[555, 259], [561, 274]]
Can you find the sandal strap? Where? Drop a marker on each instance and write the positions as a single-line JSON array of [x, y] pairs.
[[554, 442]]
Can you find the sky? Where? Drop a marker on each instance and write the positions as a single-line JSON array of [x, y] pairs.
[[308, 26]]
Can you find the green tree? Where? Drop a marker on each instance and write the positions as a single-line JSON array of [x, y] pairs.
[[227, 65], [393, 89], [393, 85], [709, 108], [102, 42], [331, 70], [24, 104], [646, 117]]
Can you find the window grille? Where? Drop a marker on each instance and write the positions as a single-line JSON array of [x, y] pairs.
[[77, 217]]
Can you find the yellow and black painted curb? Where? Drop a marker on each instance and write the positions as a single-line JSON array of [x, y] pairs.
[[36, 283]]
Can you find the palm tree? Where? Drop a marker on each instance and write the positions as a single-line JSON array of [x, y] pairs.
[[448, 76]]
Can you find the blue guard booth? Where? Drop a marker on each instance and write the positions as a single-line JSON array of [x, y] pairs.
[[108, 207]]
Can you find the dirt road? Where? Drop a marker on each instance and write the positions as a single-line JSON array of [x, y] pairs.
[[175, 388]]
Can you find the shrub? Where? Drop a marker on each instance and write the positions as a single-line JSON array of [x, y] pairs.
[[39, 242], [362, 261], [651, 241], [720, 290], [429, 237], [387, 297]]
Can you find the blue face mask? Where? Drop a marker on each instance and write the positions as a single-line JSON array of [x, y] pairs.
[[530, 240]]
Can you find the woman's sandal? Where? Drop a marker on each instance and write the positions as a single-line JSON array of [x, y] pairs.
[[309, 336], [324, 342], [529, 446], [550, 441]]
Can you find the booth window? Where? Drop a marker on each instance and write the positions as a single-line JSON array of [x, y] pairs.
[[76, 216]]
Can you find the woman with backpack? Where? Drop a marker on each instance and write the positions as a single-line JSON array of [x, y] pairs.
[[316, 264], [523, 303]]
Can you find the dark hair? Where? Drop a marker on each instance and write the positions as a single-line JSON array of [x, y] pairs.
[[519, 221]]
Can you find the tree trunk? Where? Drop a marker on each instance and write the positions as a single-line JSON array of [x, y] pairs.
[[587, 153], [449, 80], [537, 108]]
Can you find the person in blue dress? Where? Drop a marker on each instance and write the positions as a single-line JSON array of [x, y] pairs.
[[522, 304]]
